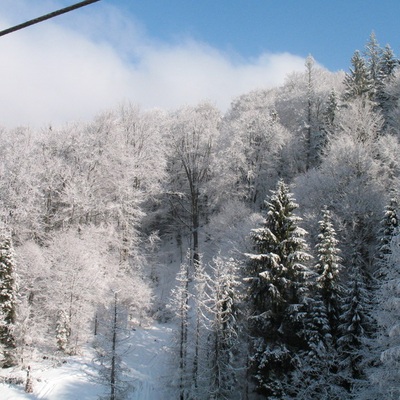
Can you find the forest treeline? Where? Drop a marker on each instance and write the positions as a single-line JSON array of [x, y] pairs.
[[282, 213]]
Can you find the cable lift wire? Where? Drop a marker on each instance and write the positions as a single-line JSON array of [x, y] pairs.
[[47, 16]]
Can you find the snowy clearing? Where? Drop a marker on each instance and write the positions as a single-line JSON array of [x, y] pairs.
[[147, 360]]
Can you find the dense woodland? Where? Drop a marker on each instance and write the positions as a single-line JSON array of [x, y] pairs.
[[278, 218]]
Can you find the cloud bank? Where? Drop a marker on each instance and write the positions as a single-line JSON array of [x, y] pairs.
[[57, 72]]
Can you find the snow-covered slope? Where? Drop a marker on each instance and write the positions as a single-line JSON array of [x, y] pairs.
[[150, 362], [147, 362]]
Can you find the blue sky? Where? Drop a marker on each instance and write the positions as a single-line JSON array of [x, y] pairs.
[[169, 53], [329, 30]]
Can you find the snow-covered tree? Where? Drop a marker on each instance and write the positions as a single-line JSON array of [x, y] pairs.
[[384, 96], [388, 229], [301, 105], [392, 91], [33, 316], [316, 374], [328, 270], [220, 312], [79, 268], [76, 284], [277, 286], [361, 121], [355, 327], [20, 202], [8, 301], [316, 378], [388, 64], [197, 298], [385, 376], [63, 331], [381, 64], [373, 59], [180, 306], [251, 142], [330, 113], [350, 183], [191, 138], [315, 135], [109, 343], [358, 82]]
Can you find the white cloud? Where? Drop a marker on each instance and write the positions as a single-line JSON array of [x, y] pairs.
[[52, 73]]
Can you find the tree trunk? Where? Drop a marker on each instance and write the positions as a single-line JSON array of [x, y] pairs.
[[183, 335], [113, 354]]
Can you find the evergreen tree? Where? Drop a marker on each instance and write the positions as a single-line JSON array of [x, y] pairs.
[[385, 377], [277, 286], [381, 64], [8, 301], [373, 57], [385, 355], [355, 327], [389, 64], [309, 134], [317, 376], [315, 135], [331, 110], [358, 82], [328, 269], [389, 226]]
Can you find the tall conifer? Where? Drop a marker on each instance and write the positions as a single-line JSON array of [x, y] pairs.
[[358, 82], [277, 285], [328, 269], [8, 300]]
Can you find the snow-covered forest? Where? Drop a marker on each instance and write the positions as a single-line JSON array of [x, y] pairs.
[[266, 238]]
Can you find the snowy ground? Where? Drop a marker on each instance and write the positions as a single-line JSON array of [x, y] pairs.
[[147, 360]]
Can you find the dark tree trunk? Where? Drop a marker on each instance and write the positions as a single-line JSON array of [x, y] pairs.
[[113, 354]]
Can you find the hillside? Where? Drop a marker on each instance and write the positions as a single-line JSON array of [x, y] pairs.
[[271, 232]]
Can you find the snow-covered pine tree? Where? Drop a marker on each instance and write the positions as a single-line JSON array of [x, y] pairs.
[[381, 65], [309, 131], [389, 226], [386, 377], [388, 65], [330, 112], [8, 301], [315, 135], [317, 379], [277, 286], [328, 270], [355, 327], [358, 82], [373, 57]]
